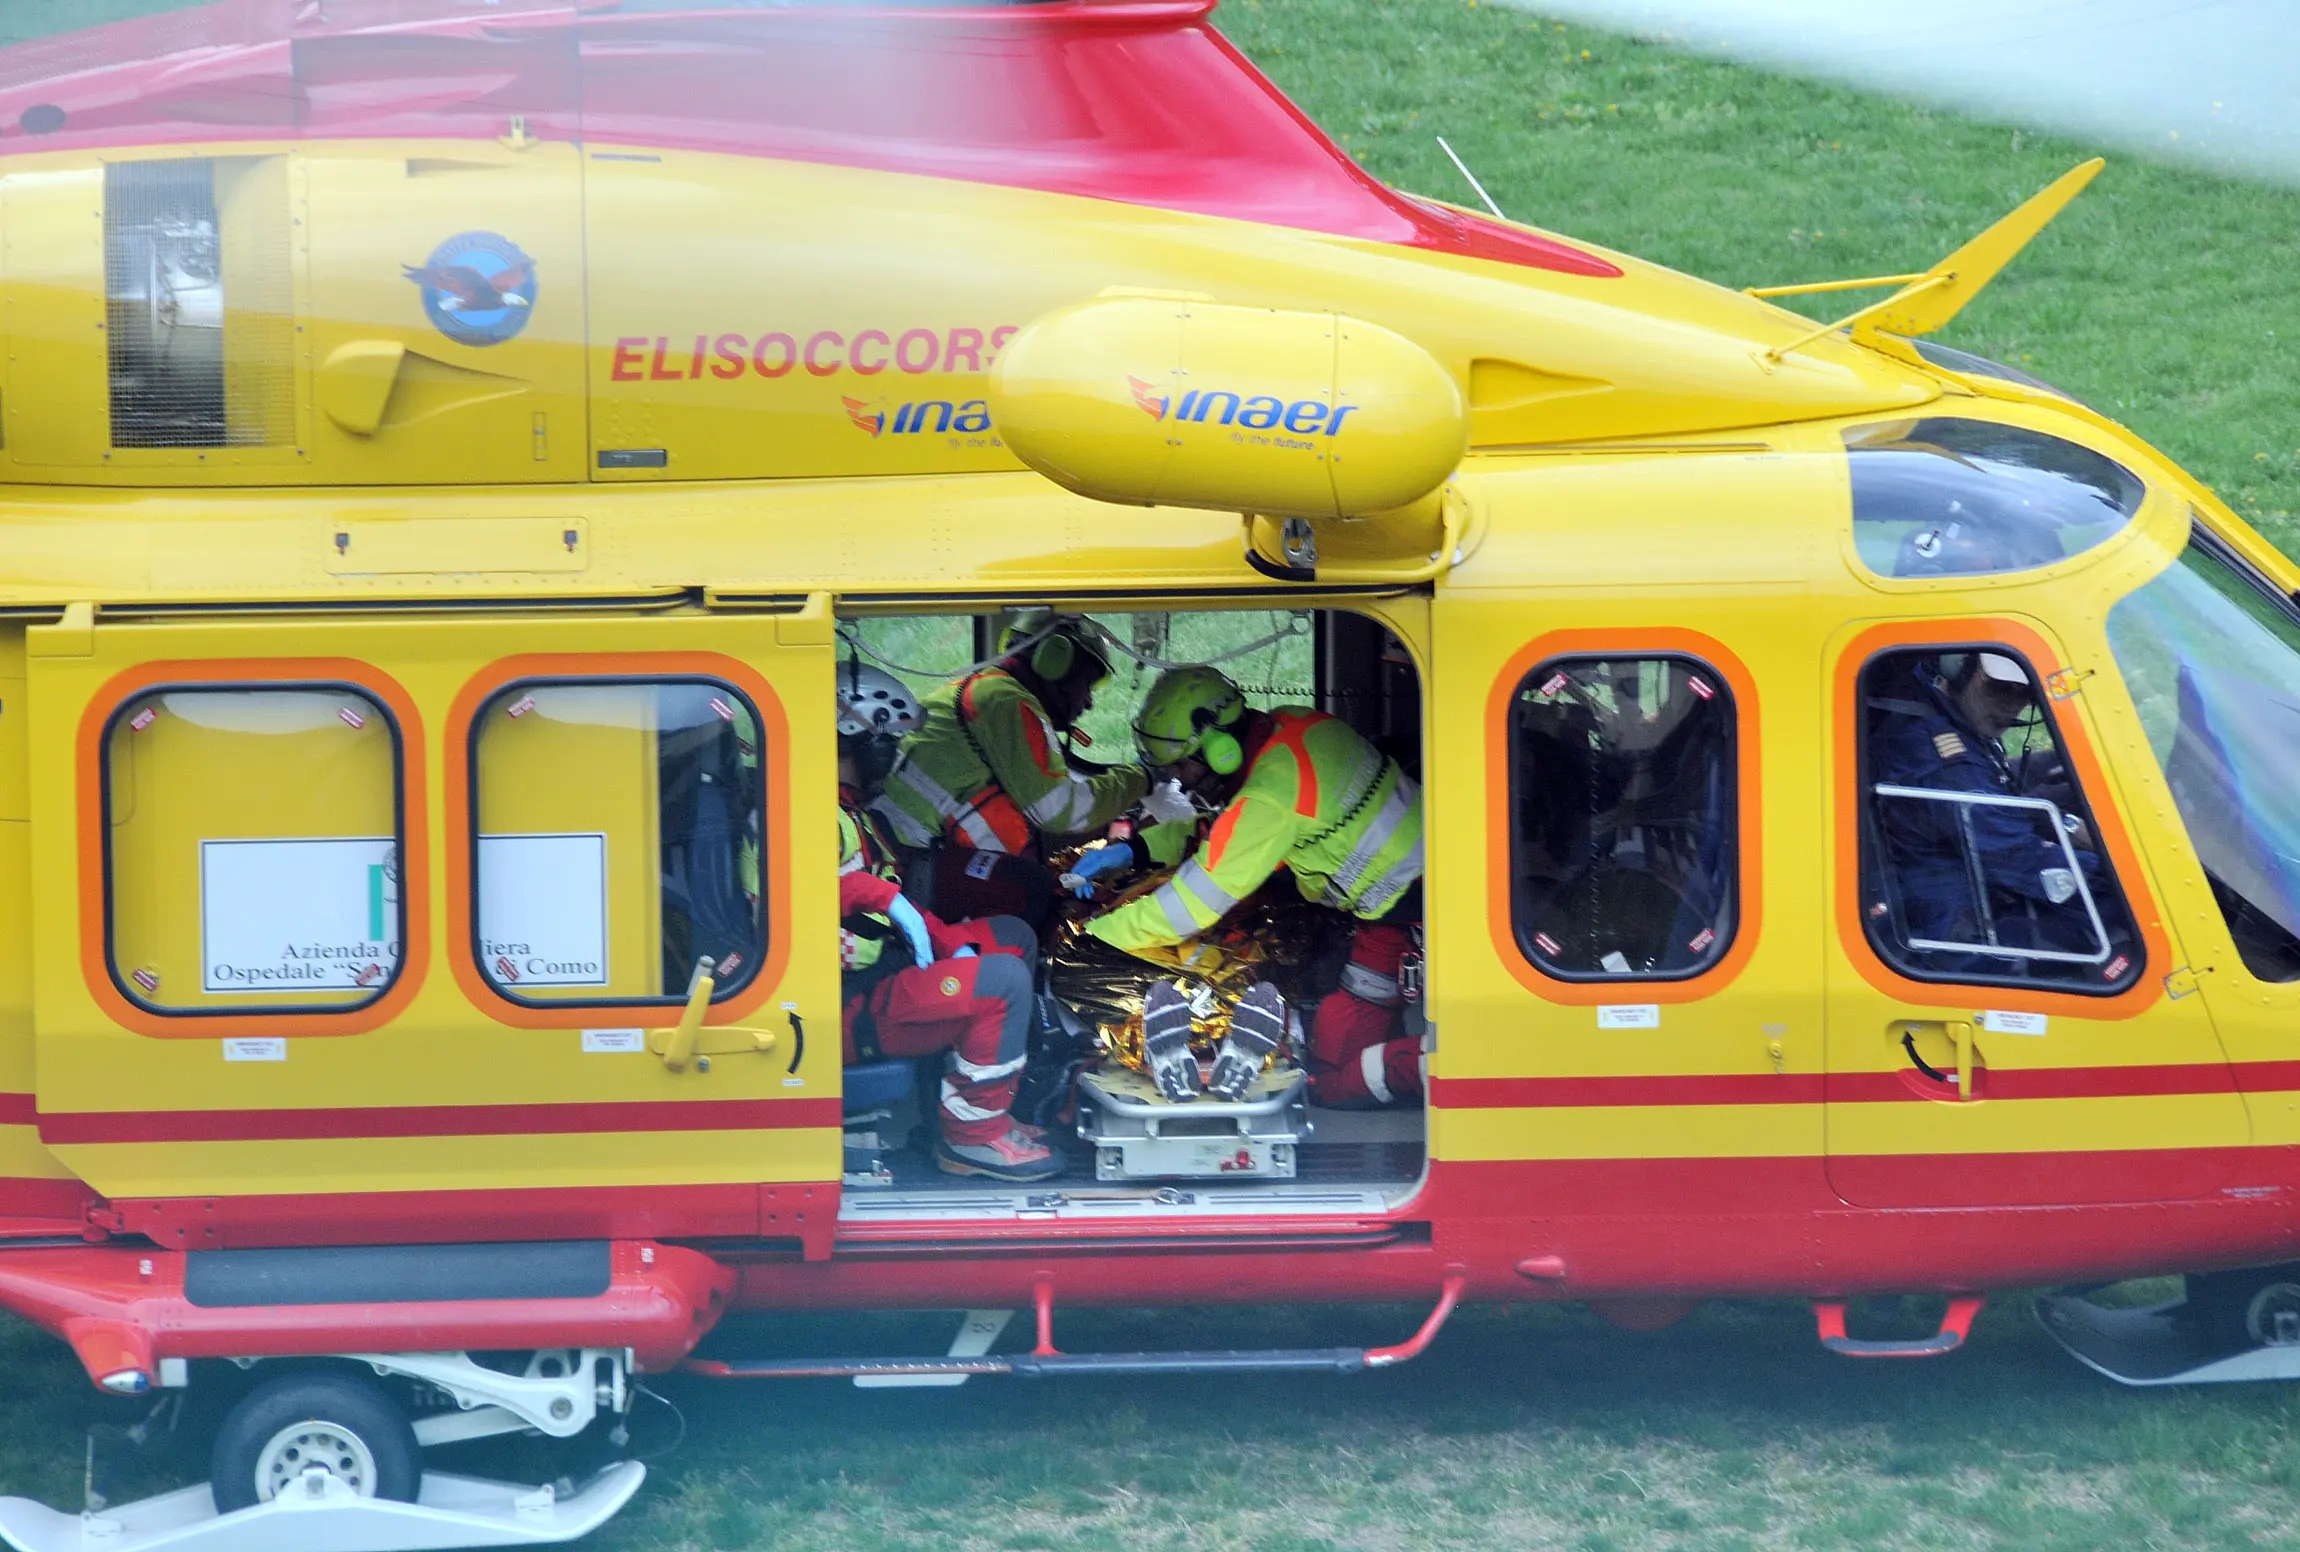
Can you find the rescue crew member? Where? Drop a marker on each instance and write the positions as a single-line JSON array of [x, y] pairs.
[[912, 984], [985, 780], [1975, 873], [1301, 790]]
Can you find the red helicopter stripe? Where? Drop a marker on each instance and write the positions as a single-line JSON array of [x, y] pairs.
[[92, 1126]]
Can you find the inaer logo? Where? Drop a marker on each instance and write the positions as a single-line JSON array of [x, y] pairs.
[[936, 415], [478, 289], [1256, 412]]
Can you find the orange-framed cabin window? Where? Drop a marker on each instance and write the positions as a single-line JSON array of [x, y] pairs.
[[1624, 817], [617, 839], [253, 837], [1981, 862]]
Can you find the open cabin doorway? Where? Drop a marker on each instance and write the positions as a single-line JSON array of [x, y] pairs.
[[1328, 1148]]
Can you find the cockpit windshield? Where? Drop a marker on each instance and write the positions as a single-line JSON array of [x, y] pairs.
[[2211, 653], [1947, 497]]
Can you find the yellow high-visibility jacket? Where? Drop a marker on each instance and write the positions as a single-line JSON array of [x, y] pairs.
[[1318, 799], [986, 770]]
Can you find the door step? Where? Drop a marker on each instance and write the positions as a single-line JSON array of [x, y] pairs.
[[2154, 1346], [1046, 1360], [977, 1334], [1956, 1325]]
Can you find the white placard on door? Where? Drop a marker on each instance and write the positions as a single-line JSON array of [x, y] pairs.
[[543, 909], [2001, 1023], [1629, 1015], [298, 916]]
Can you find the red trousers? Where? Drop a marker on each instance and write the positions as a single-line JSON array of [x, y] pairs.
[[977, 1008], [1358, 1058]]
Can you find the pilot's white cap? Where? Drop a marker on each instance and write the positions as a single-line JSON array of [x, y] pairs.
[[2004, 670]]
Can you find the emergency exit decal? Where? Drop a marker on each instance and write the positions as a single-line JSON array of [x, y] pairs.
[[300, 915], [543, 909]]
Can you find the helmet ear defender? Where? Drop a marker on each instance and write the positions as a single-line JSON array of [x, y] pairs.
[[1054, 656], [1221, 752], [1218, 746]]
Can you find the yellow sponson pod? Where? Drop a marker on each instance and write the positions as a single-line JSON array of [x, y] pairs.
[[1151, 401]]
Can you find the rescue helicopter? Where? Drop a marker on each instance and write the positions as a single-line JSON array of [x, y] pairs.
[[452, 453]]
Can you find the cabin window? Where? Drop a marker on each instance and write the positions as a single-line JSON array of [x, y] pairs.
[[1943, 497], [252, 845], [1624, 817], [618, 839], [1980, 857], [2211, 653]]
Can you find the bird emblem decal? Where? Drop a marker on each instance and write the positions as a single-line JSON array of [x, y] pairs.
[[467, 289], [478, 289]]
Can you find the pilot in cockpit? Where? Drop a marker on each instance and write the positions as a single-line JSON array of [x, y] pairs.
[[1976, 872]]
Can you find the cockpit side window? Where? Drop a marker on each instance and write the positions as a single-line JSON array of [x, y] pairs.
[[1624, 818], [1980, 857], [1944, 497], [2210, 651]]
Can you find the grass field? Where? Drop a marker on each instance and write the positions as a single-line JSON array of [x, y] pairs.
[[2165, 298]]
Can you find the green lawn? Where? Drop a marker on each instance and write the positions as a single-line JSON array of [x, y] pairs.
[[2163, 296], [1533, 1428]]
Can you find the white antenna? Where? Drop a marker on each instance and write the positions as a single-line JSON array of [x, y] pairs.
[[1472, 177]]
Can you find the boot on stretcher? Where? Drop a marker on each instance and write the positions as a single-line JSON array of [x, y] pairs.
[[1257, 1027], [1166, 1043]]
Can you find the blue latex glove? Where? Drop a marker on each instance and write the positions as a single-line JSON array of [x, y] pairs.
[[1093, 864], [905, 915]]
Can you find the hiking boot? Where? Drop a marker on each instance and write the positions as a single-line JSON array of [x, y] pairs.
[[1257, 1027], [1166, 1043], [1010, 1156]]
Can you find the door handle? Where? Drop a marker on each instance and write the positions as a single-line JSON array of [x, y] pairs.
[[688, 1042], [1958, 1033]]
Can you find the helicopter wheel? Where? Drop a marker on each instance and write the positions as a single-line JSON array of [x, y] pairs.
[[297, 1424], [2256, 1307]]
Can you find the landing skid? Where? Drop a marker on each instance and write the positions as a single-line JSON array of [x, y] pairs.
[[452, 1511], [2154, 1347]]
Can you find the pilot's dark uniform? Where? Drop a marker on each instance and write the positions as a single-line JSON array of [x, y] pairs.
[[2014, 863]]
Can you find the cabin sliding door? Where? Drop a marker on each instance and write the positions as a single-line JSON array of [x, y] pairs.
[[388, 922]]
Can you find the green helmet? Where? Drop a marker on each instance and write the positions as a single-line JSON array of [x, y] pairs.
[[1190, 711], [1054, 646]]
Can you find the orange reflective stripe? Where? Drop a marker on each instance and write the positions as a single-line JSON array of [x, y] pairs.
[[995, 809], [1034, 734], [966, 696], [1219, 836], [1290, 733]]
